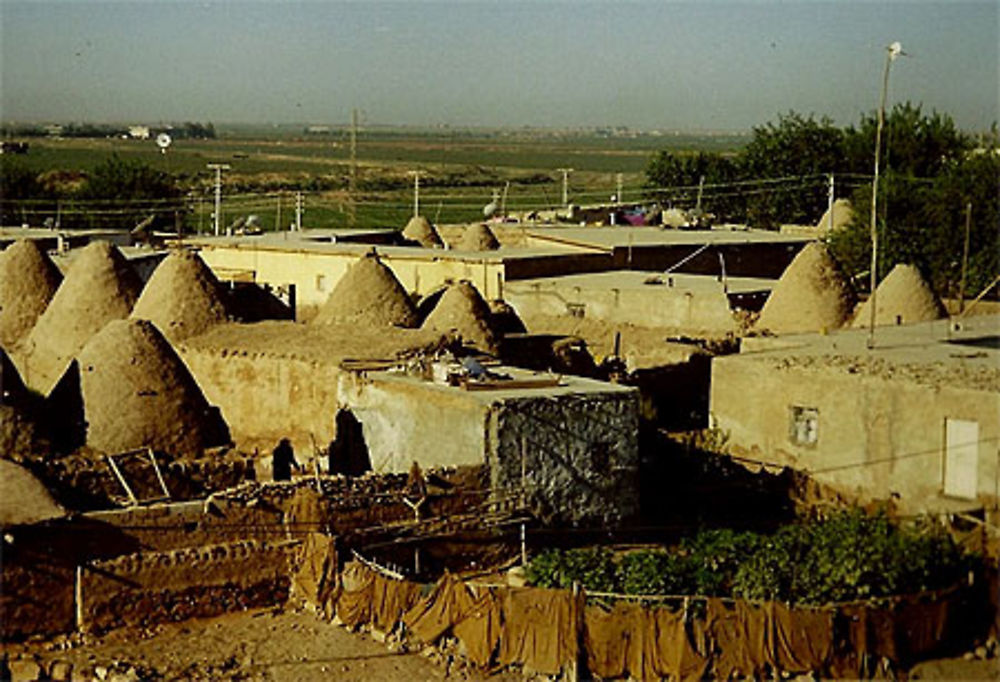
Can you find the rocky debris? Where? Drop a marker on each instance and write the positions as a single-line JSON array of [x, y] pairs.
[[903, 297], [23, 498], [812, 295], [370, 295], [138, 393], [28, 281], [182, 298], [479, 237], [99, 287], [462, 310], [420, 231]]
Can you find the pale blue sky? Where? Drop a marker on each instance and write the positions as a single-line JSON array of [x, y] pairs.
[[670, 65]]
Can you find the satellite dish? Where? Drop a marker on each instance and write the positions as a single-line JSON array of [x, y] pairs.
[[163, 141]]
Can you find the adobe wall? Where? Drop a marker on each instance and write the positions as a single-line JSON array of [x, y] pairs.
[[405, 421], [894, 428], [264, 399], [696, 311], [316, 273], [144, 588], [578, 455]]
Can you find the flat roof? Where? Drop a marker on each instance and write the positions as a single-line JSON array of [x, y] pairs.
[[290, 242], [612, 237], [958, 352], [636, 280], [566, 385]]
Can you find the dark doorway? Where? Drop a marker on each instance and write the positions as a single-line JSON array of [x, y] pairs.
[[349, 452]]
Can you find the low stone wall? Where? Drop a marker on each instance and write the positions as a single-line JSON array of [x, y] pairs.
[[143, 588]]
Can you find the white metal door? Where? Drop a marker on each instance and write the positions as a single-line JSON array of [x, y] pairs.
[[961, 458]]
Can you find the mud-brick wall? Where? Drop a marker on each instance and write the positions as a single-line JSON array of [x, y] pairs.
[[264, 398], [193, 524], [155, 587], [579, 454]]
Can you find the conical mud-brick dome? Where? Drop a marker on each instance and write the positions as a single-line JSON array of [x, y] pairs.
[[463, 310], [28, 281], [182, 298], [903, 297], [420, 230], [369, 294], [99, 287], [479, 237], [23, 498], [138, 393], [812, 295], [842, 211]]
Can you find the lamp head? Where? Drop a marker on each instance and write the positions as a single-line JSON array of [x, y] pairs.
[[895, 50]]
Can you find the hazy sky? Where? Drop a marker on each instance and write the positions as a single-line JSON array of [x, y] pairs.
[[704, 65]]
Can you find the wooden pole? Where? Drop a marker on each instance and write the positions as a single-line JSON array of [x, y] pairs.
[[965, 258]]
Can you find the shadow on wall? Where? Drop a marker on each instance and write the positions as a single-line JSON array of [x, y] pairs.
[[252, 303], [349, 451]]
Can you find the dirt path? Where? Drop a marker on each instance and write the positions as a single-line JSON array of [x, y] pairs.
[[269, 644]]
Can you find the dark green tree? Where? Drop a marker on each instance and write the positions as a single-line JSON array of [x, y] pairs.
[[120, 192]]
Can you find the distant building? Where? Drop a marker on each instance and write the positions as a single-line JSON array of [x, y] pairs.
[[318, 130], [53, 130], [138, 132]]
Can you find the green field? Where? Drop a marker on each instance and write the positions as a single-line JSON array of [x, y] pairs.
[[461, 169]]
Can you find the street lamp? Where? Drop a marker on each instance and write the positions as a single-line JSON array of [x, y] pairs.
[[891, 52]]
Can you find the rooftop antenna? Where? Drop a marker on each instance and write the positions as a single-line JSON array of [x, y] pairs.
[[218, 168], [416, 190]]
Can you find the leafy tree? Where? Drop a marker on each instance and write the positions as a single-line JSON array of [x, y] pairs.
[[681, 174], [923, 223], [126, 191], [794, 147], [18, 183]]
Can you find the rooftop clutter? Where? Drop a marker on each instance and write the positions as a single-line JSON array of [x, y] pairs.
[[369, 294], [138, 393], [812, 295], [99, 287], [903, 297], [28, 281], [182, 298]]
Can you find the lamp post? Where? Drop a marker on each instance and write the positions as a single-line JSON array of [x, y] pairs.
[[891, 52]]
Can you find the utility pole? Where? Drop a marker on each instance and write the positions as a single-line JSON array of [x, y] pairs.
[[892, 52], [352, 215], [298, 211], [416, 191], [565, 187], [965, 258], [829, 203], [277, 217], [218, 168], [618, 184]]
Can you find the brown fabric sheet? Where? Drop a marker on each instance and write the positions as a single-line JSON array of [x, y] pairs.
[[741, 637], [390, 600], [354, 605], [434, 615], [540, 628], [315, 577], [606, 638], [681, 649], [803, 638], [479, 630]]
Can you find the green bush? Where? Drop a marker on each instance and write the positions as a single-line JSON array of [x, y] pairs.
[[849, 555]]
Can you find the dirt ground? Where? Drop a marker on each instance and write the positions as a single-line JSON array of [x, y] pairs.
[[268, 644]]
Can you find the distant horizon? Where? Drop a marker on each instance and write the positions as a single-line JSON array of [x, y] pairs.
[[721, 66]]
